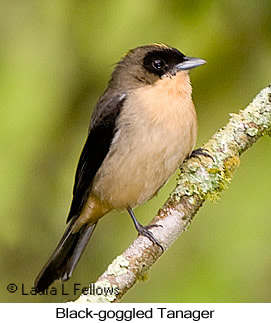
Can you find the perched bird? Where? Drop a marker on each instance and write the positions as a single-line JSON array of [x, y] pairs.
[[142, 129]]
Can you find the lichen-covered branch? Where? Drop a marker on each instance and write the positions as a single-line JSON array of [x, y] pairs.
[[201, 179]]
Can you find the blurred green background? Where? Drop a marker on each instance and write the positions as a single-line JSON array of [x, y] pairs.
[[55, 61]]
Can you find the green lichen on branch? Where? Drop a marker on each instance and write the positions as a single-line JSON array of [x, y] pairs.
[[207, 181], [208, 177], [118, 267]]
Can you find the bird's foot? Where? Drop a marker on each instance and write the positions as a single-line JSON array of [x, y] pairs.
[[144, 230], [201, 152]]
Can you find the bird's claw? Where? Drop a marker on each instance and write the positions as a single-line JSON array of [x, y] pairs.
[[201, 152], [144, 231]]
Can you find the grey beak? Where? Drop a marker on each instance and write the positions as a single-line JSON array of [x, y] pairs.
[[189, 62]]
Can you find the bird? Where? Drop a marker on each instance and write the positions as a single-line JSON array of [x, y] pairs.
[[142, 129]]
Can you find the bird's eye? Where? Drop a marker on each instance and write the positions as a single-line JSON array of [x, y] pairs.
[[158, 64]]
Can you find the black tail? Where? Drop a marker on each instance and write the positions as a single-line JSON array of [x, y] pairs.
[[65, 257]]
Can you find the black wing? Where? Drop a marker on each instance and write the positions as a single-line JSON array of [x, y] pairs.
[[101, 133]]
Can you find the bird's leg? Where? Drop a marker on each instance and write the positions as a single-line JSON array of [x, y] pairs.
[[200, 152], [144, 230]]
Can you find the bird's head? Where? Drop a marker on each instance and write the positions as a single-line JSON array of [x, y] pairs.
[[146, 65]]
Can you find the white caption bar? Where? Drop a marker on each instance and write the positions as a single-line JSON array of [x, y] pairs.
[[138, 312]]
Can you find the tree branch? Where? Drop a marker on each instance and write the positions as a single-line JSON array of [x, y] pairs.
[[201, 179]]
